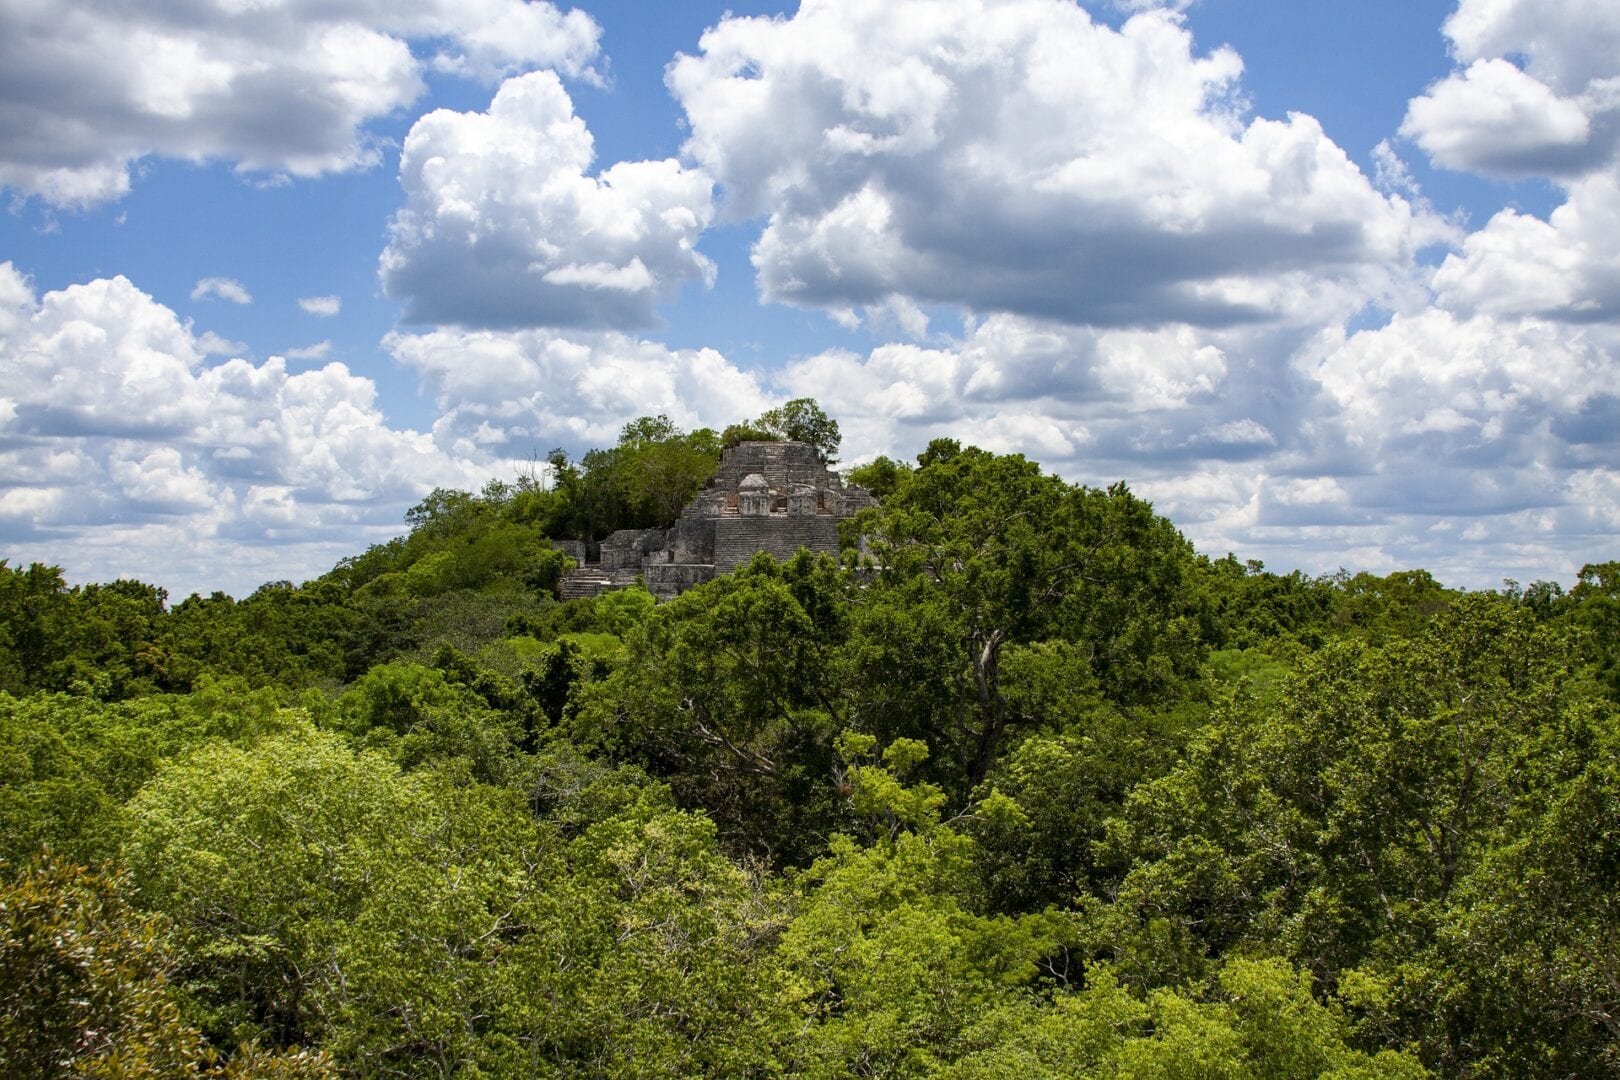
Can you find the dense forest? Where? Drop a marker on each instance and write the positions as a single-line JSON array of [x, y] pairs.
[[1024, 786]]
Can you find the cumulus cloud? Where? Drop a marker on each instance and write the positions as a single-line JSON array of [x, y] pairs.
[[1162, 288], [1021, 157], [123, 453], [1566, 267], [223, 288], [1540, 95], [1462, 443], [324, 307], [1567, 45], [1148, 5], [284, 88], [1478, 392], [212, 344], [1473, 433], [515, 394], [1099, 400], [1494, 118], [1478, 446], [502, 226]]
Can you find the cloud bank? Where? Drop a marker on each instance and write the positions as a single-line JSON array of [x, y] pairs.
[[124, 453]]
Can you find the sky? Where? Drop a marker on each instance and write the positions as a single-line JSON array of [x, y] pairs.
[[1333, 284]]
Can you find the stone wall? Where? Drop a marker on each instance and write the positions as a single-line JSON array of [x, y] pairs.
[[691, 539], [668, 580], [736, 539], [784, 465], [626, 548], [577, 550]]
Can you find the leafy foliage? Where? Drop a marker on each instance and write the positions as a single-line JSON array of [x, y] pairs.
[[1027, 787], [85, 988], [802, 420]]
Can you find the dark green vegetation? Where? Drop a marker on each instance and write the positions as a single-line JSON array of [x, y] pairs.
[[1040, 792]]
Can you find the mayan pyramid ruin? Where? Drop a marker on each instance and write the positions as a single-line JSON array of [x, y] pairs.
[[774, 497]]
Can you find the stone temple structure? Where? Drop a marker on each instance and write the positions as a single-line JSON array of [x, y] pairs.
[[766, 496]]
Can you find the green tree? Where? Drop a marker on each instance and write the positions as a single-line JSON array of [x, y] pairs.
[[888, 960], [1362, 822], [1396, 605], [733, 694], [1065, 785], [1523, 974], [35, 618], [645, 953], [85, 988], [802, 420], [418, 716], [881, 476], [736, 434], [1258, 1020], [1000, 554], [1244, 606], [262, 858], [1594, 606], [68, 763]]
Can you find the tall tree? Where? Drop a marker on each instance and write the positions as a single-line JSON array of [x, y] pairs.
[[802, 420], [1001, 554], [733, 691]]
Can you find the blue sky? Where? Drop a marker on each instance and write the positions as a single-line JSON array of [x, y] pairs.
[[1333, 284]]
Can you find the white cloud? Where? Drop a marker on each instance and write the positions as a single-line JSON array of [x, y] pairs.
[[1567, 44], [1474, 388], [1493, 118], [123, 454], [1244, 432], [283, 88], [514, 394], [1390, 173], [223, 288], [1163, 292], [16, 299], [324, 307], [1313, 491], [1149, 5], [1539, 96], [1567, 267], [212, 344], [502, 226], [1116, 393], [317, 351], [1497, 120], [1020, 157], [1475, 433]]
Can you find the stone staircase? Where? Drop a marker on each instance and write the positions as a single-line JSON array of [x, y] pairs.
[[584, 581]]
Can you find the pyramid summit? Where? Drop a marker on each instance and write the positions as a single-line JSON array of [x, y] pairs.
[[774, 497]]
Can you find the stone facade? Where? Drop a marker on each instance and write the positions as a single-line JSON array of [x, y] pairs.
[[766, 496]]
